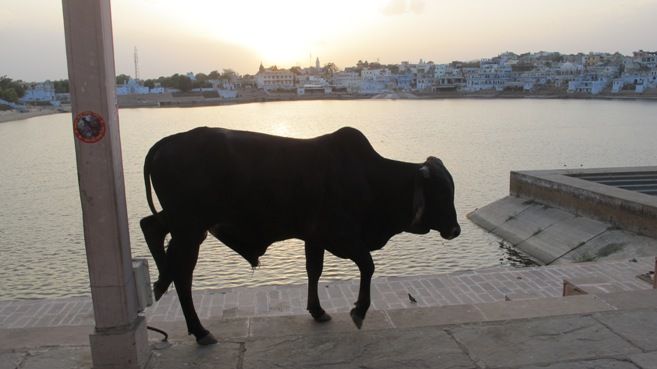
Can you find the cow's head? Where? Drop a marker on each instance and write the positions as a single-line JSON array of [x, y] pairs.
[[433, 201]]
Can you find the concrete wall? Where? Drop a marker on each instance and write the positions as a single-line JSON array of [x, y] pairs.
[[632, 211], [555, 217]]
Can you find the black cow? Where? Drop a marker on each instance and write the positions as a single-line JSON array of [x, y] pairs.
[[250, 189]]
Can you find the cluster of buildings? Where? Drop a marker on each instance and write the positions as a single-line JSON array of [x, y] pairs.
[[44, 93], [592, 73]]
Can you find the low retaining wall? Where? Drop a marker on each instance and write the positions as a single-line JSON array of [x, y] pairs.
[[629, 210], [554, 216]]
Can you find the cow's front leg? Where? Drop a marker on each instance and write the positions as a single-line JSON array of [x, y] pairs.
[[314, 266], [366, 267], [154, 234], [182, 255]]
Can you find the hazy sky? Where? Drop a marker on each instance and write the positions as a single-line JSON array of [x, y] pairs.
[[204, 35]]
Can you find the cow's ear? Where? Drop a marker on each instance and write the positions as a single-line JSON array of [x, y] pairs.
[[418, 196]]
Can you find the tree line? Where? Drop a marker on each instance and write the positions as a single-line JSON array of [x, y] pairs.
[[183, 82], [11, 90]]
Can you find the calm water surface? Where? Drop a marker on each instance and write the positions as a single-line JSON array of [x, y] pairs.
[[480, 141]]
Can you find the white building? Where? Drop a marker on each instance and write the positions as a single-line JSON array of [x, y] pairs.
[[348, 80], [372, 87], [449, 83], [440, 70], [303, 80], [420, 67], [537, 77], [221, 84], [424, 82], [374, 74], [589, 84], [636, 82], [646, 58], [375, 81], [314, 89], [273, 79], [131, 87], [489, 76], [571, 69], [40, 92]]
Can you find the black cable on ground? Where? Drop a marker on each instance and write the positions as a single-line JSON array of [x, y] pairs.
[[166, 336]]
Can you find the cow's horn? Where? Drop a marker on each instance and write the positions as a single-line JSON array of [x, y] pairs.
[[425, 171]]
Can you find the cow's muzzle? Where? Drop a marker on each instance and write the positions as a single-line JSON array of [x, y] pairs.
[[452, 233]]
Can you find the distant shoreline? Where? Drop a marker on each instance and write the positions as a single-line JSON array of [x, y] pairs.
[[138, 101], [13, 115]]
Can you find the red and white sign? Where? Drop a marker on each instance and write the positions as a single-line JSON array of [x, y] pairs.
[[89, 127]]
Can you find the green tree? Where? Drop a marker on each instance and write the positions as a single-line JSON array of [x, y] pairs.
[[201, 81], [11, 90], [394, 68], [122, 79], [228, 75], [201, 77], [177, 81], [184, 83], [9, 94], [331, 68], [61, 86]]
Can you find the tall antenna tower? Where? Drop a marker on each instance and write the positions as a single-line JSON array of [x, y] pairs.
[[136, 64]]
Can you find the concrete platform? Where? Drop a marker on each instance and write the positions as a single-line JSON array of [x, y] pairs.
[[490, 318], [473, 319], [495, 284], [593, 331], [577, 215]]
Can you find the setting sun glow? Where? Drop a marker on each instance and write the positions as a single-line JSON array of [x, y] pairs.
[[286, 32], [175, 36]]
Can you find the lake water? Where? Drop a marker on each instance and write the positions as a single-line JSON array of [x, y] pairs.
[[480, 141]]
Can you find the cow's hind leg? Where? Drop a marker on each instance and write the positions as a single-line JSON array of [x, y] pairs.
[[154, 234], [314, 266], [366, 267], [182, 255]]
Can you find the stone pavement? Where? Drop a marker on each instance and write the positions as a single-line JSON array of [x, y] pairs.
[[388, 293], [607, 331]]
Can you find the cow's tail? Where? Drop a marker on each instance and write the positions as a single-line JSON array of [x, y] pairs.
[[147, 176]]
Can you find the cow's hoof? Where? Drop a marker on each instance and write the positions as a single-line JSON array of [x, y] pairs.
[[357, 318], [158, 290], [208, 339], [321, 318]]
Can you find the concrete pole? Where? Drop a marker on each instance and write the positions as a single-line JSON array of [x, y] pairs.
[[119, 339]]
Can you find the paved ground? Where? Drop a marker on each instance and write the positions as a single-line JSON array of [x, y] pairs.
[[461, 320], [388, 293], [610, 331]]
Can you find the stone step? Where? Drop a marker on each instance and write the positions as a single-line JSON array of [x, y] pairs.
[[597, 284]]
